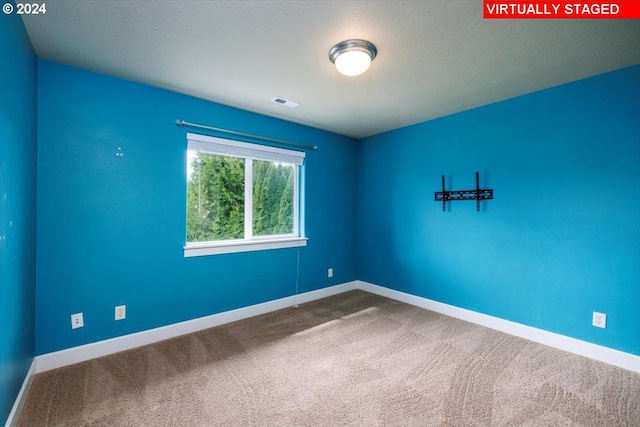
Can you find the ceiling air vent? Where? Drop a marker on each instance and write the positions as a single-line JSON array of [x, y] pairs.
[[285, 102]]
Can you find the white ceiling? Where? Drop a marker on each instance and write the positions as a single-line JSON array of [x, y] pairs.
[[434, 57]]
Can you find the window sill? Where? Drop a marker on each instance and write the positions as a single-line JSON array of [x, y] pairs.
[[208, 248]]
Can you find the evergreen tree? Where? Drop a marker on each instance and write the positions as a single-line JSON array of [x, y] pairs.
[[215, 198], [285, 214], [269, 186]]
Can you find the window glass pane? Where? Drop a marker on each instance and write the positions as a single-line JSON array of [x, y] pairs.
[[272, 198], [215, 197]]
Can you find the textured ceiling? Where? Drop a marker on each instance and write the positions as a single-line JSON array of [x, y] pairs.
[[434, 57]]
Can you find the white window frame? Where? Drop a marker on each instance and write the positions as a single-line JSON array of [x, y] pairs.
[[250, 152]]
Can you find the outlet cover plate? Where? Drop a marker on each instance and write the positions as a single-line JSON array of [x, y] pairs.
[[77, 321], [120, 312], [599, 320]]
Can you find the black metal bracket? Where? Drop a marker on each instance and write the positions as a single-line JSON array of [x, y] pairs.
[[478, 194]]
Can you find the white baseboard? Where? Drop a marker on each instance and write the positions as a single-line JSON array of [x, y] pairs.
[[14, 415], [85, 352], [593, 351], [78, 354]]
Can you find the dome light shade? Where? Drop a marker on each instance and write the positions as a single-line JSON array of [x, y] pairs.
[[353, 62], [352, 57]]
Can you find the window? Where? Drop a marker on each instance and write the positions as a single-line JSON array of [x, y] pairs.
[[241, 196]]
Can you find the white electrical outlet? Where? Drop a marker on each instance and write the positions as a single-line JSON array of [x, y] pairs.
[[599, 320], [77, 321], [121, 312], [330, 272]]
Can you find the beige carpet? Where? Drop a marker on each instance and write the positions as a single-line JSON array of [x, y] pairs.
[[355, 359]]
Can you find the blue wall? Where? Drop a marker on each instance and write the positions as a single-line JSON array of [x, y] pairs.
[[111, 229], [17, 207], [560, 240]]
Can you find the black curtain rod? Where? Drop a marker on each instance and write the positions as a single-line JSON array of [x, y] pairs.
[[247, 135]]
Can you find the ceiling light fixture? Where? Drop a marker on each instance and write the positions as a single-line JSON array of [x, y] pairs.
[[353, 57]]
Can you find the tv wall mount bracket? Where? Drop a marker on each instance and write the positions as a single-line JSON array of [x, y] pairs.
[[478, 194]]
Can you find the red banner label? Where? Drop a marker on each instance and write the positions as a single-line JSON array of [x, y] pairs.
[[626, 9]]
